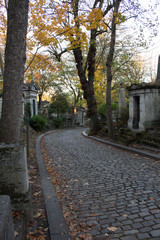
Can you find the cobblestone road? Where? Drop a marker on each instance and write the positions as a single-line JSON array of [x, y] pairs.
[[111, 194]]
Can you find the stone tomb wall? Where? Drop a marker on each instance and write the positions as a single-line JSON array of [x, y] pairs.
[[144, 108], [30, 97]]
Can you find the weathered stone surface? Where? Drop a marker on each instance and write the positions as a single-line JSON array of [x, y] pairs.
[[122, 102], [14, 176], [6, 222]]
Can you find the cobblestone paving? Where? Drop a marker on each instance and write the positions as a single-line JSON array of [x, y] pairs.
[[116, 193]]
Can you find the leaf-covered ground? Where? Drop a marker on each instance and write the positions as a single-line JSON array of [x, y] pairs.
[[78, 231], [38, 228]]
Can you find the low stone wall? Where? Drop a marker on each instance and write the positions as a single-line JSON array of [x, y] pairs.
[[6, 221], [14, 177]]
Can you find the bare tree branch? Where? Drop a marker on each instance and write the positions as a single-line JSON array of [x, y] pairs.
[[123, 64], [32, 58]]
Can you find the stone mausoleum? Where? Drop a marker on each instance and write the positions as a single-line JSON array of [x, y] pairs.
[[144, 104], [30, 96]]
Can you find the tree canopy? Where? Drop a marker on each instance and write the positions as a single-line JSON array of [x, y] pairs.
[[59, 103]]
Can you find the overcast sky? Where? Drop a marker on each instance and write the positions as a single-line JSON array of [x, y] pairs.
[[151, 54]]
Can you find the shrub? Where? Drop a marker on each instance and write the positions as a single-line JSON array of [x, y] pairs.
[[59, 104], [38, 122], [102, 109], [114, 106], [57, 122]]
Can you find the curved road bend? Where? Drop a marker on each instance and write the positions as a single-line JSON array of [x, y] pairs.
[[110, 193]]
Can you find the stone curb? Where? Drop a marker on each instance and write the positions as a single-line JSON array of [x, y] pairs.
[[129, 149], [58, 228]]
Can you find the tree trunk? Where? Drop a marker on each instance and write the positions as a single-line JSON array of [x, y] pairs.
[[40, 101], [109, 109], [109, 70], [88, 91], [15, 58], [86, 84]]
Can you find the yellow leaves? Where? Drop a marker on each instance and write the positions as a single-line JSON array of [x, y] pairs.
[[100, 85], [41, 61], [3, 25], [62, 12], [119, 18], [94, 18], [1, 85]]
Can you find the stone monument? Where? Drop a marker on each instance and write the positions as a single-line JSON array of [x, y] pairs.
[[158, 71], [122, 102]]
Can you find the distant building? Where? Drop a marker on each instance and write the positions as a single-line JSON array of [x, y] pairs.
[[29, 96], [80, 116]]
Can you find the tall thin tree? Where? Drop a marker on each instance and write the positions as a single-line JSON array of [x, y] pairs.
[[109, 67]]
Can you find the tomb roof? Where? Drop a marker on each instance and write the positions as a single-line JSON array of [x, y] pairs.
[[143, 85]]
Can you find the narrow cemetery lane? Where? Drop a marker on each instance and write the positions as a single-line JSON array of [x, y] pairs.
[[106, 193]]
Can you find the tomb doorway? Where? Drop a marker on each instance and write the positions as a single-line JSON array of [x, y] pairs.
[[136, 112]]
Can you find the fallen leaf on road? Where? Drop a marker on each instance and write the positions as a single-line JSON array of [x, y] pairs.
[[37, 215], [112, 229], [42, 237], [76, 180], [93, 214], [15, 233], [16, 215], [67, 214], [36, 194], [85, 236], [106, 234], [48, 196]]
